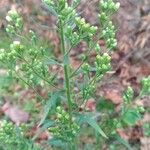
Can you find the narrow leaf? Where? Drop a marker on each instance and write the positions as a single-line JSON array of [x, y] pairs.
[[49, 105], [51, 10], [92, 122], [122, 141], [46, 125], [51, 61]]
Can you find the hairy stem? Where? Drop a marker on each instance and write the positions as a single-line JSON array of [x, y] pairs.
[[66, 72]]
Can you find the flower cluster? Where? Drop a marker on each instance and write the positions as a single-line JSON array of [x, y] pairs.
[[88, 90], [63, 129], [130, 113], [26, 63], [72, 36], [109, 5], [14, 22], [85, 28], [16, 49], [86, 68], [67, 12], [83, 31], [76, 27], [108, 30], [61, 9], [102, 64], [34, 72], [109, 35], [8, 133]]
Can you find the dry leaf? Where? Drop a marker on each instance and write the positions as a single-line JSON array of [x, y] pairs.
[[15, 114], [90, 105]]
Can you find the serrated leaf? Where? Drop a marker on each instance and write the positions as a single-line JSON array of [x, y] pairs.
[[49, 105], [92, 122], [122, 141]]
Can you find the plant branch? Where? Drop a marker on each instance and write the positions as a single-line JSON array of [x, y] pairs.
[[28, 85], [47, 81]]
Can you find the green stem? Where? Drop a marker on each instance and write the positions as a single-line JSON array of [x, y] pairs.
[[21, 78], [66, 73]]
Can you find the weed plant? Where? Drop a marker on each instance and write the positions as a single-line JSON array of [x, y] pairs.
[[29, 64]]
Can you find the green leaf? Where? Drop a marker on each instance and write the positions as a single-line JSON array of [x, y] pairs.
[[51, 10], [146, 129], [50, 61], [5, 81], [57, 143], [51, 103], [122, 141], [105, 106], [46, 124], [92, 122], [131, 116]]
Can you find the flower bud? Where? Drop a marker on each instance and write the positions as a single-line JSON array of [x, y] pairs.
[[93, 29], [59, 109], [103, 16], [86, 68], [117, 5], [9, 19], [141, 109]]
